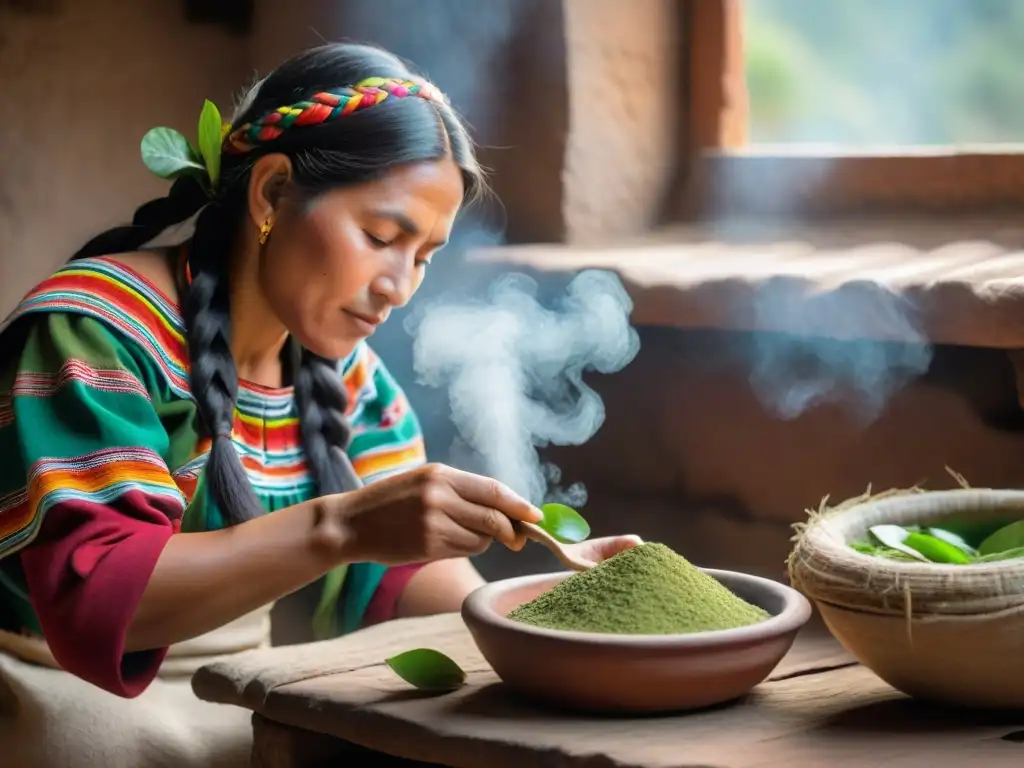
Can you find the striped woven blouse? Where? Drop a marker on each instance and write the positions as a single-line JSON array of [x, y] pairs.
[[102, 462]]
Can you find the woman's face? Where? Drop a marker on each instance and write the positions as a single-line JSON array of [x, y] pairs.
[[333, 270]]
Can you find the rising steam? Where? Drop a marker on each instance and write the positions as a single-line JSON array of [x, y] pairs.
[[514, 372], [854, 347]]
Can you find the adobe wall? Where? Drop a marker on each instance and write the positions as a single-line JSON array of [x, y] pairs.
[[81, 85]]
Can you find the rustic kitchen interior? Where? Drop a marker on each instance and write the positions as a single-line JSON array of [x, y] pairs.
[[814, 323]]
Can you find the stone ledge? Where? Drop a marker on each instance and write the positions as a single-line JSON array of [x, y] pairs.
[[957, 282]]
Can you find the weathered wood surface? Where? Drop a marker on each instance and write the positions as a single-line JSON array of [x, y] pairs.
[[818, 708]]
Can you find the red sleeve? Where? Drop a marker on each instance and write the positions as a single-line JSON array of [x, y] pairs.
[[86, 572], [385, 600]]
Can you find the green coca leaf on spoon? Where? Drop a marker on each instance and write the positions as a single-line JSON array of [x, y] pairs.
[[564, 523], [428, 670]]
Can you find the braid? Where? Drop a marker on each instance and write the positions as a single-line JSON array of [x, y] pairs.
[[319, 392], [322, 401], [213, 377], [325, 106], [184, 199]]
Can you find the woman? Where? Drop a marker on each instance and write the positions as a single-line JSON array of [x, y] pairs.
[[155, 404]]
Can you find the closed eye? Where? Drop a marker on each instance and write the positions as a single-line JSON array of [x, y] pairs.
[[376, 242]]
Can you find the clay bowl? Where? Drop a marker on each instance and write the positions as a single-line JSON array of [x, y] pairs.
[[632, 673]]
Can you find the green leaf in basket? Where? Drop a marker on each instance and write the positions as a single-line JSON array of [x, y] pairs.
[[874, 550], [936, 550], [894, 537], [864, 547], [1010, 537], [995, 557], [428, 670], [169, 155], [564, 523], [954, 539]]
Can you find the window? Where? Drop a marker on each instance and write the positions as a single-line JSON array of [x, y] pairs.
[[847, 105], [849, 73]]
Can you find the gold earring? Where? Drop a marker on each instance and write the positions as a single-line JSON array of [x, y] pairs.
[[265, 228]]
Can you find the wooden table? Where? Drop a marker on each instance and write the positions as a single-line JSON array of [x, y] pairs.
[[318, 704]]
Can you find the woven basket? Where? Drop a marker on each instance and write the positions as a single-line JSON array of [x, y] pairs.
[[948, 633]]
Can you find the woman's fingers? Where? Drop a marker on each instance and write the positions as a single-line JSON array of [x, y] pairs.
[[487, 521], [487, 492], [520, 540], [599, 550], [465, 541]]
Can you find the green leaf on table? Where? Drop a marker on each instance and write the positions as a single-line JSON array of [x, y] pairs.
[[954, 539], [169, 155], [564, 523], [936, 550], [1003, 540], [210, 131], [894, 537], [428, 670]]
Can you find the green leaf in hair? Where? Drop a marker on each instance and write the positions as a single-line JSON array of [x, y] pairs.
[[210, 131], [169, 155]]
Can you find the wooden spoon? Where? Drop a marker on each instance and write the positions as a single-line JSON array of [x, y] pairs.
[[566, 558]]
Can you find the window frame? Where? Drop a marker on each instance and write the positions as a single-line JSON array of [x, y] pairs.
[[725, 178]]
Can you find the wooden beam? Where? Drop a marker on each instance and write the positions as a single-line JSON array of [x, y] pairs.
[[718, 106], [807, 185]]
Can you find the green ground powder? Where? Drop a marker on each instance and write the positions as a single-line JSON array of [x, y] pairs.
[[646, 590]]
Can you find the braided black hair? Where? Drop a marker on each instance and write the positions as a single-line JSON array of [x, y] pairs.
[[357, 148]]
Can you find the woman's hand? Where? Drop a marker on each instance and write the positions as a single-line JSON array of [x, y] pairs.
[[431, 513], [599, 550]]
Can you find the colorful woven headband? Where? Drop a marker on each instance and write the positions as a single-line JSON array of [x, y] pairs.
[[326, 106]]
